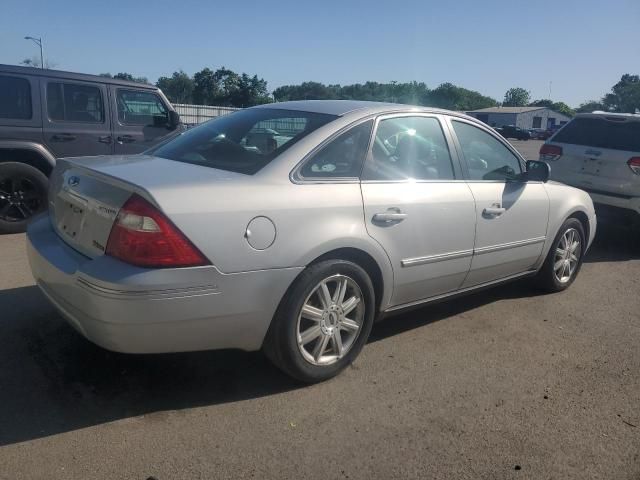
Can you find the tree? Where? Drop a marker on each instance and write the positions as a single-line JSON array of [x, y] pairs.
[[205, 87], [35, 62], [516, 97], [590, 106], [178, 88], [126, 76], [559, 107], [452, 97], [624, 96]]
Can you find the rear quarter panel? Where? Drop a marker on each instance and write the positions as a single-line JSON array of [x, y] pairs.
[[310, 220]]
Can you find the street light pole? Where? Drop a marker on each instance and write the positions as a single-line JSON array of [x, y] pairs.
[[38, 41]]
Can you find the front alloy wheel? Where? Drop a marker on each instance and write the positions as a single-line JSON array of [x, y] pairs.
[[568, 253], [564, 259]]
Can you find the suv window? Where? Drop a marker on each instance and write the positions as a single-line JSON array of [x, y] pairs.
[[140, 108], [601, 133], [243, 142], [487, 158], [71, 102], [15, 98], [343, 156], [409, 148]]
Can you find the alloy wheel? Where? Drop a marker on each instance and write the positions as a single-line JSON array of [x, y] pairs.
[[20, 199], [567, 255], [330, 320]]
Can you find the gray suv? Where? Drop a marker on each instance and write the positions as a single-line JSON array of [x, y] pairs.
[[48, 114]]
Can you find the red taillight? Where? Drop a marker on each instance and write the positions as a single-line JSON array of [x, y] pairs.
[[550, 152], [144, 236], [634, 165]]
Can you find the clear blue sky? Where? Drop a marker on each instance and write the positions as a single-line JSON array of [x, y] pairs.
[[582, 47]]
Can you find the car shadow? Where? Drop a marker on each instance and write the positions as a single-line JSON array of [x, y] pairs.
[[614, 242], [52, 380]]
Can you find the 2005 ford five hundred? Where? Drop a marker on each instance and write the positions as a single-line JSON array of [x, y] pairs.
[[291, 227]]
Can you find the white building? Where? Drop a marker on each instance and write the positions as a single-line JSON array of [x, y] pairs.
[[523, 117]]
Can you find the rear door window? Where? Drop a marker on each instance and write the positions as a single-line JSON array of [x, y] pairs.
[[136, 107], [70, 102], [342, 157], [243, 142], [601, 133], [15, 98]]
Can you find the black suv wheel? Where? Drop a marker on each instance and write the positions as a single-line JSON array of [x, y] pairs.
[[23, 194]]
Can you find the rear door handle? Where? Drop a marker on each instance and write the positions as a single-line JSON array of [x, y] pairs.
[[494, 211], [125, 139], [105, 139], [63, 137], [389, 217]]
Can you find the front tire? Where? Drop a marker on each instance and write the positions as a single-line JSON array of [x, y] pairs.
[[23, 194], [564, 260], [322, 322]]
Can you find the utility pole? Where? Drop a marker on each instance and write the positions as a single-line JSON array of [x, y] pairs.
[[38, 41]]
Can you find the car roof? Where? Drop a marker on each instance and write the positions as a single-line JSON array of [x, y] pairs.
[[343, 107], [19, 70], [610, 116]]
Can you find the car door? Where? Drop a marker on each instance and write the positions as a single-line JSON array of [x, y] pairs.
[[140, 119], [418, 207], [77, 118], [512, 214]]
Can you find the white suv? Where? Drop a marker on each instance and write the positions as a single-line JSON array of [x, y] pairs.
[[599, 152]]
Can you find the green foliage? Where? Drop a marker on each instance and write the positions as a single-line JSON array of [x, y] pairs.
[[452, 97], [413, 93], [126, 76], [590, 106], [178, 88], [559, 107], [624, 96], [223, 87], [516, 97]]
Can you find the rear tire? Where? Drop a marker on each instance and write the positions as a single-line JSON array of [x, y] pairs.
[[23, 194], [317, 343], [564, 260]]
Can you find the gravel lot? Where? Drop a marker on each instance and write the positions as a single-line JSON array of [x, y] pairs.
[[503, 384]]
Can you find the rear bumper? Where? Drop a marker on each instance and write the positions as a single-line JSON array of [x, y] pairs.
[[135, 310], [628, 203]]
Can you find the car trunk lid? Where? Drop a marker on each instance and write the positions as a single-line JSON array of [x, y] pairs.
[[87, 193]]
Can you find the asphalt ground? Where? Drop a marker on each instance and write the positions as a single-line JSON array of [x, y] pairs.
[[502, 384]]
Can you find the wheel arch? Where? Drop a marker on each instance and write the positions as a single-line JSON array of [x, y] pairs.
[[30, 153], [363, 260], [583, 218]]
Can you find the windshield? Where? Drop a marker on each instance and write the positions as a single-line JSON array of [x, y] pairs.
[[243, 142], [601, 133]]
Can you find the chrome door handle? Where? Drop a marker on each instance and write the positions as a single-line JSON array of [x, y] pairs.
[[105, 139], [389, 217], [493, 211]]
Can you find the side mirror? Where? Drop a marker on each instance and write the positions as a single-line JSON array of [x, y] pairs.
[[174, 119], [537, 171]]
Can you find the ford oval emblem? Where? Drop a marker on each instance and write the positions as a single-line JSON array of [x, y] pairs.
[[73, 181]]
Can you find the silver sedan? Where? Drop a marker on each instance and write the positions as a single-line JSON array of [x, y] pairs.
[[291, 227]]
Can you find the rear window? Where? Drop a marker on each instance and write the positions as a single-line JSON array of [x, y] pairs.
[[15, 98], [243, 142], [601, 133]]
